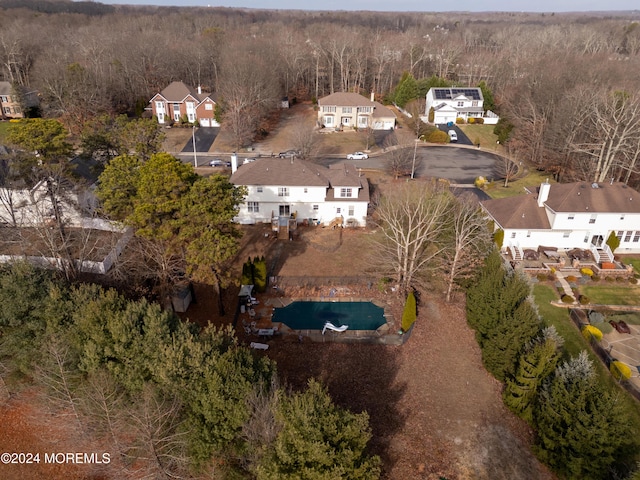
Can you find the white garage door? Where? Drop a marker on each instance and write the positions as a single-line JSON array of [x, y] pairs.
[[204, 122]]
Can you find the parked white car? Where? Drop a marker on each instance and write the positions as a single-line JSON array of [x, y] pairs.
[[357, 156], [453, 135]]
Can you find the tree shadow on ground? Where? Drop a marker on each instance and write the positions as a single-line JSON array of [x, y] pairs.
[[358, 377]]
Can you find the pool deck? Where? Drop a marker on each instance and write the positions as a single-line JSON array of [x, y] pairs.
[[264, 312]]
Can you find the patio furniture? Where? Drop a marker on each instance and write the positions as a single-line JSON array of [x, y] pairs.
[[259, 346]]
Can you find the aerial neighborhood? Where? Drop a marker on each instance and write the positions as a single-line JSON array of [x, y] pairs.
[[298, 244]]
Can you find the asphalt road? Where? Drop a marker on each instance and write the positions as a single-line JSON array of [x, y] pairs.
[[458, 165]]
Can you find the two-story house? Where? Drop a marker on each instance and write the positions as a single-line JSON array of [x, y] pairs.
[[10, 106], [346, 109], [290, 187], [451, 103], [179, 100], [568, 216]]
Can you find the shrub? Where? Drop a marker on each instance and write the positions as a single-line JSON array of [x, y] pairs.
[[620, 371], [595, 278], [633, 281], [541, 277], [586, 271], [596, 317], [620, 279], [571, 278], [480, 182], [436, 136], [609, 279], [471, 121], [551, 276], [459, 120], [613, 242], [431, 115], [498, 237], [590, 332], [567, 298], [480, 121], [584, 300], [409, 313]]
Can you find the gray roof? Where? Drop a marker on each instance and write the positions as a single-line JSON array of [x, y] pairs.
[[522, 212], [280, 171], [381, 111], [298, 173], [178, 91], [346, 99]]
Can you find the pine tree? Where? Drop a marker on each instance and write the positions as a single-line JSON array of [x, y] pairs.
[[583, 429], [535, 364]]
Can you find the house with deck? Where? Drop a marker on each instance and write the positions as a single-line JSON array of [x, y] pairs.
[[578, 215], [352, 110], [286, 189], [179, 100]]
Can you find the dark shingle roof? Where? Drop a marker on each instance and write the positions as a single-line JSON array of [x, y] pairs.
[[520, 212], [346, 99], [280, 171]]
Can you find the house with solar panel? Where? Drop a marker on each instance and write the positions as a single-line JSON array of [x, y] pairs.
[[569, 216], [449, 104]]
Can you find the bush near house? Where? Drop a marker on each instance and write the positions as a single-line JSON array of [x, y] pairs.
[[410, 312]]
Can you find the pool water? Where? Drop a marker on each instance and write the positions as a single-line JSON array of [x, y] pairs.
[[301, 315]]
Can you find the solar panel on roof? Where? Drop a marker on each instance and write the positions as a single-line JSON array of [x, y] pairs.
[[440, 94]]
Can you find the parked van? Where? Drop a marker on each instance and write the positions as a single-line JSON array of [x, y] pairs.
[[453, 135]]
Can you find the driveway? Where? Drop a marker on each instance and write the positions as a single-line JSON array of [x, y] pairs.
[[462, 138], [204, 139]]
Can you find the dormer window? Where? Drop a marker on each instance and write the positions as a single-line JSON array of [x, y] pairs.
[[346, 192]]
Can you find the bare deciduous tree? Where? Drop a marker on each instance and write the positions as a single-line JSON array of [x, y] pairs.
[[412, 221], [470, 242], [400, 162]]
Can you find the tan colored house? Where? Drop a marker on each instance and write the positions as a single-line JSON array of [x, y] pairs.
[[352, 110], [179, 100], [10, 105]]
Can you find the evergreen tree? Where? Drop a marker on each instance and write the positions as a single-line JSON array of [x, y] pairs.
[[318, 441], [537, 362], [487, 95], [406, 90], [483, 295], [583, 431]]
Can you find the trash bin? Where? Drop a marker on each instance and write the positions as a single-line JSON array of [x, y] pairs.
[[242, 308]]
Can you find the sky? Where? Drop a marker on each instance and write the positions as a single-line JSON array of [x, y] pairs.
[[404, 5]]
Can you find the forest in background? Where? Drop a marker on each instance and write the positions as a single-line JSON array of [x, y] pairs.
[[565, 82]]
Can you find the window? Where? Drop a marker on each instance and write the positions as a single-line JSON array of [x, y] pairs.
[[586, 238], [346, 109], [305, 189], [259, 189], [4, 99], [528, 233], [7, 110], [474, 103], [329, 109], [364, 109], [571, 216], [351, 210], [328, 120], [17, 110], [284, 210], [283, 191], [592, 219], [363, 122], [253, 207], [346, 192], [338, 210], [461, 104], [160, 106], [346, 120], [315, 208], [566, 234], [513, 234], [627, 237], [622, 216], [620, 234], [208, 106], [636, 237]]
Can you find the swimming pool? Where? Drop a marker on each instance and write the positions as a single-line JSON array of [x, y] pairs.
[[312, 315]]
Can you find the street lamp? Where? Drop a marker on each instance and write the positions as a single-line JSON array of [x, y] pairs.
[[193, 140], [413, 165]]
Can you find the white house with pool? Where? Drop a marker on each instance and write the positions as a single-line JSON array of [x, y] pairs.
[[292, 188], [568, 216]]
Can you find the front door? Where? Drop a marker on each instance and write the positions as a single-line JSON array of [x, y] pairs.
[[597, 240]]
